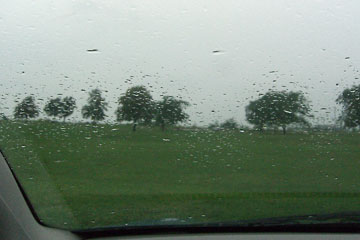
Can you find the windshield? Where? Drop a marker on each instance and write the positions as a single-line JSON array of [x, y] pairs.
[[148, 113]]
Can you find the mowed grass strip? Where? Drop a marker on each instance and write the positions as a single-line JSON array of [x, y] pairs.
[[85, 175]]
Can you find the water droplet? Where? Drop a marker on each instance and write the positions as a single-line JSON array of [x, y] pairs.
[[218, 52]]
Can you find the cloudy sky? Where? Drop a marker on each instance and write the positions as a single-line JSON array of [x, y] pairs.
[[168, 46]]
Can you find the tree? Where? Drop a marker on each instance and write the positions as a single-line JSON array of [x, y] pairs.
[[96, 107], [3, 116], [170, 111], [26, 109], [278, 109], [256, 113], [229, 124], [68, 107], [53, 107], [62, 108], [214, 126], [136, 105], [350, 99]]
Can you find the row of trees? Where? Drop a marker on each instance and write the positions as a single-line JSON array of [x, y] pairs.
[[281, 108], [137, 105], [229, 124], [273, 109]]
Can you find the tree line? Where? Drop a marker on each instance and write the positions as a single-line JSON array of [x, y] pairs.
[[272, 109], [136, 106]]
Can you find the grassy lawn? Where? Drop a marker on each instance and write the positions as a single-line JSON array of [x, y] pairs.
[[83, 175]]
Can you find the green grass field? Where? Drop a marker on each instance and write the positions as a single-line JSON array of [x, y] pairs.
[[84, 176]]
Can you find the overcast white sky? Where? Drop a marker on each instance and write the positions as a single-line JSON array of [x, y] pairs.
[[167, 45]]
